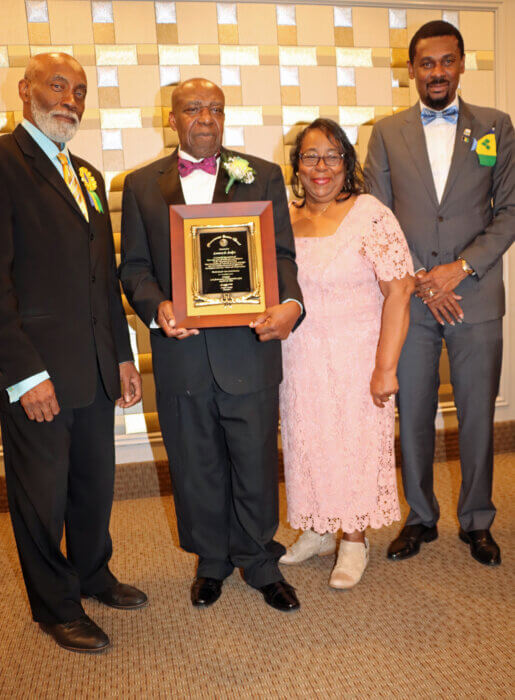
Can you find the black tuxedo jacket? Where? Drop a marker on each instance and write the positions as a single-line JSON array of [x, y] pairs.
[[238, 361], [60, 304]]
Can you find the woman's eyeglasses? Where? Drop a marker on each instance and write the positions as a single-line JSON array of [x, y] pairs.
[[310, 160]]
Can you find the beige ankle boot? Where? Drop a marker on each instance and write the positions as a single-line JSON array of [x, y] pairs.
[[350, 565], [308, 544]]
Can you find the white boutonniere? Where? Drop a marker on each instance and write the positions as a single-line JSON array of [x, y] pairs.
[[239, 170]]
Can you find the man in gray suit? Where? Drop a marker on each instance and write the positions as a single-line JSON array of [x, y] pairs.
[[445, 168]]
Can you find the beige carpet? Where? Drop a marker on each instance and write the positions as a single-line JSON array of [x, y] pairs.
[[436, 626]]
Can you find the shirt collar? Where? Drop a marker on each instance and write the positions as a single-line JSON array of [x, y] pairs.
[[187, 156], [454, 103], [47, 145]]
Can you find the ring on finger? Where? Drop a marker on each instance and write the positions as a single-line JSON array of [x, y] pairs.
[[430, 293]]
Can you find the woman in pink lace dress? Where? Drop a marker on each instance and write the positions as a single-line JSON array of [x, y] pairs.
[[337, 410]]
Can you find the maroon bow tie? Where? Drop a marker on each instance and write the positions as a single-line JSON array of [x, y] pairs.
[[186, 167]]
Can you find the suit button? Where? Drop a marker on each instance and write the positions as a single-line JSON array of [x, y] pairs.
[[92, 237], [440, 218], [93, 279], [94, 319], [434, 253]]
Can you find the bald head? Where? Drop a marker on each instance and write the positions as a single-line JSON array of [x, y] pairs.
[[53, 92], [198, 116]]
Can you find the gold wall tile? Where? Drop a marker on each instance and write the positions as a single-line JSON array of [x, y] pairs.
[[315, 25], [477, 29], [103, 33], [401, 75], [268, 55], [478, 87], [70, 21], [400, 97], [134, 22], [239, 55], [298, 55], [228, 34], [9, 79], [165, 114], [364, 134], [343, 36], [49, 48], [399, 38], [381, 111], [152, 117], [399, 57], [265, 142], [211, 73], [286, 36], [318, 85], [91, 76], [90, 119], [18, 55], [373, 86], [257, 23], [171, 139], [170, 55], [167, 34], [142, 145], [470, 60], [260, 85], [6, 122], [292, 115], [85, 54], [139, 86], [290, 95], [147, 54], [39, 33], [13, 22], [329, 112], [87, 144], [272, 116], [113, 55], [485, 60], [347, 95], [197, 22], [381, 57], [416, 18], [209, 54], [120, 118], [108, 97], [4, 57], [243, 116], [354, 116], [347, 56], [326, 55], [232, 94], [113, 160], [371, 26]]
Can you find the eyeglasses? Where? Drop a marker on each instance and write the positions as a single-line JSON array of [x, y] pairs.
[[311, 160]]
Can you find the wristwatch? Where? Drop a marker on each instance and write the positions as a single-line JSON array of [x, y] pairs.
[[466, 267]]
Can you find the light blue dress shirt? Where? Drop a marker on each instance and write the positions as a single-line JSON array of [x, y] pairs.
[[51, 150]]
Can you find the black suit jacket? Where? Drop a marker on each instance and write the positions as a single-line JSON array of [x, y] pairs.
[[60, 304], [238, 361]]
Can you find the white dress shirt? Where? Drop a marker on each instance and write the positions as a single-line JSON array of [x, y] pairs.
[[440, 136], [198, 187]]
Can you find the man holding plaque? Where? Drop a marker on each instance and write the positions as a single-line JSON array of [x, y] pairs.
[[217, 388]]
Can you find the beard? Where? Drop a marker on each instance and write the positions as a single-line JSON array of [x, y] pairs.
[[439, 103], [55, 129]]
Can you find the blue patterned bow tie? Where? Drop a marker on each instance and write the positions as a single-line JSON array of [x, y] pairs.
[[429, 115]]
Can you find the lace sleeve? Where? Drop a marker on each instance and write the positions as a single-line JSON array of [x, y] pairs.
[[385, 246]]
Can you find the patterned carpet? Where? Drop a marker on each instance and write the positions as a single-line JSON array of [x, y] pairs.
[[436, 626]]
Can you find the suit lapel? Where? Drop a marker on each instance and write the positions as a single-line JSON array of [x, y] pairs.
[[461, 149], [45, 167], [413, 134], [221, 182], [169, 181]]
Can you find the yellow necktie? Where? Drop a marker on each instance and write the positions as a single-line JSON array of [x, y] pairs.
[[73, 184]]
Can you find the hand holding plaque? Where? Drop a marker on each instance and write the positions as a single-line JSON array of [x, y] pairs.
[[224, 270]]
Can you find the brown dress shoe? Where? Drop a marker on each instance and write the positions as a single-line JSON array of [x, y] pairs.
[[409, 540], [81, 635], [483, 547], [122, 596]]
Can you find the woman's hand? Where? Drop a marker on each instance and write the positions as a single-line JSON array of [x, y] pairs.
[[383, 385]]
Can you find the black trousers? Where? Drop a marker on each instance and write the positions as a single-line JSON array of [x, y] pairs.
[[475, 354], [61, 473], [222, 450]]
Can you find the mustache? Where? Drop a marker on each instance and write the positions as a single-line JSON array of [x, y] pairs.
[[68, 115], [439, 81]]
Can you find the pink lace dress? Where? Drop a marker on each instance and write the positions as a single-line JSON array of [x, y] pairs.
[[338, 446]]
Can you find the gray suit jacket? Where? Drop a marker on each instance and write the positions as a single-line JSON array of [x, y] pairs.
[[476, 216]]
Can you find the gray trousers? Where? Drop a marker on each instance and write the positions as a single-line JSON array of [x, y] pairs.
[[475, 354]]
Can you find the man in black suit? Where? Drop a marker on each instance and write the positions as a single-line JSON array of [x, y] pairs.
[[64, 349], [217, 389]]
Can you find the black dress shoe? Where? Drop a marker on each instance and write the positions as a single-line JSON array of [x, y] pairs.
[[205, 591], [409, 540], [81, 635], [122, 596], [281, 596], [483, 547]]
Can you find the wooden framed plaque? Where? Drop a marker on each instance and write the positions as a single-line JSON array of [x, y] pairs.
[[224, 269]]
